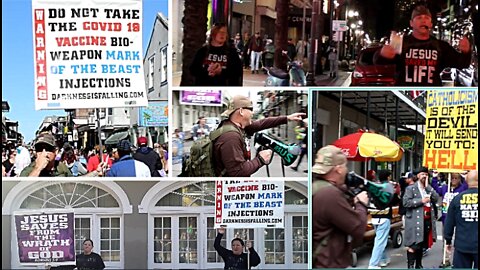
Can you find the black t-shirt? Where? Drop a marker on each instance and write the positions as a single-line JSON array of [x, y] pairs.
[[235, 262], [422, 61], [90, 262], [226, 56]]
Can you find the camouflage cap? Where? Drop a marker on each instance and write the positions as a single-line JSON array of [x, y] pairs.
[[237, 102], [327, 158], [421, 10], [46, 138]]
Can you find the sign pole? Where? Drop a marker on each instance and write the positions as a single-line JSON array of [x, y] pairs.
[[445, 242], [248, 251], [99, 131]]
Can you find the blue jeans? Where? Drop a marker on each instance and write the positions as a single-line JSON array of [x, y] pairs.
[[255, 60], [379, 252]]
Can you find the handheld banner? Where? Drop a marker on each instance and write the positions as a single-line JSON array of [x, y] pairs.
[[45, 237], [249, 204], [201, 97], [451, 137], [88, 54]]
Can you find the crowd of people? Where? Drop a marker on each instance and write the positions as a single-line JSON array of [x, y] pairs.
[[424, 196], [219, 62], [47, 158]]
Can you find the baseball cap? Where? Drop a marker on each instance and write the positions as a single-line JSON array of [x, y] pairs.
[[421, 10], [327, 158], [45, 138], [124, 145], [142, 141], [237, 102]]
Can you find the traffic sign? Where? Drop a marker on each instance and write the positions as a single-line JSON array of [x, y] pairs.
[[339, 25]]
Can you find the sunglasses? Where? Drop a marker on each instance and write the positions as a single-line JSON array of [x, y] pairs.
[[248, 108], [42, 146]]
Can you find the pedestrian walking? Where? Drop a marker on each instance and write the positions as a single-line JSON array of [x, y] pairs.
[[255, 48]]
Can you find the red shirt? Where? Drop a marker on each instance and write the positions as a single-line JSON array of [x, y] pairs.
[[93, 162]]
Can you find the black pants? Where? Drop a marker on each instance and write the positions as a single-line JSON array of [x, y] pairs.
[[465, 260]]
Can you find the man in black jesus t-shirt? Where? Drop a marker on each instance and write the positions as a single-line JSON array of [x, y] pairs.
[[423, 57], [217, 63]]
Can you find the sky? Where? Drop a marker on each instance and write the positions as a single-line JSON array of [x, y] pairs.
[[17, 61]]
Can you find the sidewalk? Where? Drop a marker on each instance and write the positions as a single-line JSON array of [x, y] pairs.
[[249, 79], [342, 79]]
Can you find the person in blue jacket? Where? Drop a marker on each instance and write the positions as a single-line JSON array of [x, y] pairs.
[[126, 166], [462, 217]]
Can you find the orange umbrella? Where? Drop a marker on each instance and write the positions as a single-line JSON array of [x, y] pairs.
[[361, 146]]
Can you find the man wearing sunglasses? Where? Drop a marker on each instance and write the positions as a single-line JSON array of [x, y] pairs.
[[45, 164], [231, 157]]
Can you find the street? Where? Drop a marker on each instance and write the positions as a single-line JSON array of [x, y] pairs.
[[275, 168], [398, 256], [249, 79]]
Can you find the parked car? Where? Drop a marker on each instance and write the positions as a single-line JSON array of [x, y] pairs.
[[367, 73], [212, 122]]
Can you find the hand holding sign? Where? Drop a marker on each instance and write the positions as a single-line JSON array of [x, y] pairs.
[[221, 230]]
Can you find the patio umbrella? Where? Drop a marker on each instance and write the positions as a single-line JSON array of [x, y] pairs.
[[361, 146], [116, 137]]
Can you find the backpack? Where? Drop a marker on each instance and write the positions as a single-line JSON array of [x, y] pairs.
[[200, 161]]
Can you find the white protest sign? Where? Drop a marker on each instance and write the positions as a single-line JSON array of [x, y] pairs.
[[249, 204], [88, 54]]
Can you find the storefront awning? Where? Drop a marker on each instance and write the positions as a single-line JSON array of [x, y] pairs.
[[382, 105], [116, 137]]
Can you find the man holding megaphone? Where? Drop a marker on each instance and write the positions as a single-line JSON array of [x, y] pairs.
[[230, 154], [339, 219]]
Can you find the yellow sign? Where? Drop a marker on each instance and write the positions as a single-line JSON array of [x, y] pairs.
[[451, 137]]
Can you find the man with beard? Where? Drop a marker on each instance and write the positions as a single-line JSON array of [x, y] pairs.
[[420, 219]]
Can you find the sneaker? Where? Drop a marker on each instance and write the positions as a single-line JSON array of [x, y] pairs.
[[305, 171], [294, 168], [384, 263], [253, 71]]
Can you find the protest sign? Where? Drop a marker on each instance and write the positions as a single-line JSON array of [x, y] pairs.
[[249, 204], [451, 137], [201, 97], [46, 237], [88, 54]]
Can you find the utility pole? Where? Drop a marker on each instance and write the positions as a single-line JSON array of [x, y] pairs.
[[312, 59]]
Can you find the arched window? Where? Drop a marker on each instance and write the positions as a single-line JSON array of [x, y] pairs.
[[185, 211], [98, 209]]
